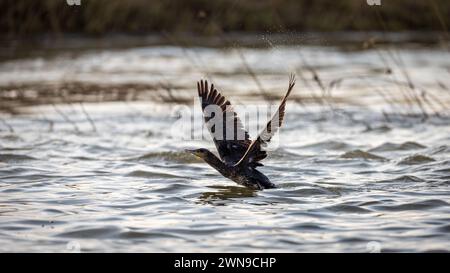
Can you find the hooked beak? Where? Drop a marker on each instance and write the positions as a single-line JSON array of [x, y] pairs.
[[194, 152]]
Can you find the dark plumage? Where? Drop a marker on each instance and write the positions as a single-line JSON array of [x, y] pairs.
[[239, 156]]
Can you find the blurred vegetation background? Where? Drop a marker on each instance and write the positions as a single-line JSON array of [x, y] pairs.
[[47, 28], [23, 17]]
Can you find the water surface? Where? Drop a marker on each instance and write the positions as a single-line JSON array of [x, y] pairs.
[[356, 172]]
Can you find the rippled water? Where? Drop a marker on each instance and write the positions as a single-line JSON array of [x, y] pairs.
[[352, 181]]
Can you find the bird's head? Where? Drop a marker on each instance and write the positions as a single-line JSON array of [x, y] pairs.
[[202, 152]]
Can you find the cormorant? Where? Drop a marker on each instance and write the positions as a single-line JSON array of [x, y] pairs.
[[239, 156]]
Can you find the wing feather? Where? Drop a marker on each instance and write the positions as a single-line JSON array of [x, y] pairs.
[[230, 149], [254, 153]]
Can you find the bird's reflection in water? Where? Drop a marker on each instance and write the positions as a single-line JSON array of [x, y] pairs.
[[224, 193]]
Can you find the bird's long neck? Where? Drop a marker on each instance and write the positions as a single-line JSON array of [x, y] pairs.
[[215, 162]]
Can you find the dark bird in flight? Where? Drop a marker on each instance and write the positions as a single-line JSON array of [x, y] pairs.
[[239, 156]]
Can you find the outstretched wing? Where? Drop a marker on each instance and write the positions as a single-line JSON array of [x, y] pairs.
[[229, 135], [254, 152]]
